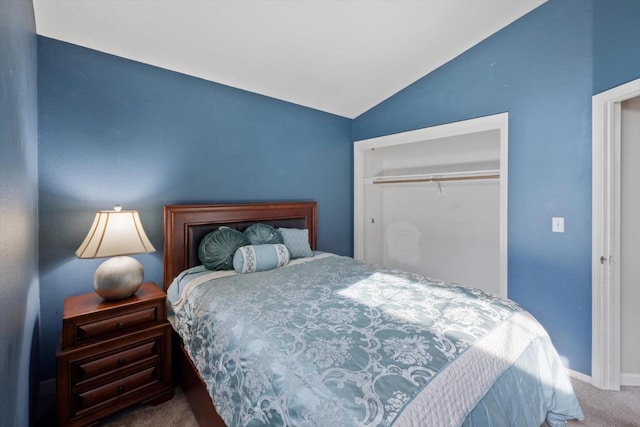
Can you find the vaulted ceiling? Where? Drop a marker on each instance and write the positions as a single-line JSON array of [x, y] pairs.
[[338, 56]]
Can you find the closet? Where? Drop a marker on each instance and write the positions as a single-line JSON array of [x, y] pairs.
[[433, 201]]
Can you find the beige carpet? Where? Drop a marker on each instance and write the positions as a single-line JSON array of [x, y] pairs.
[[607, 408], [173, 413], [601, 409]]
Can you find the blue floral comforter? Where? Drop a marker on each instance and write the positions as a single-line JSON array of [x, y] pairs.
[[336, 342]]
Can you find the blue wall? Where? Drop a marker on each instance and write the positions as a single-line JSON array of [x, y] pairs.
[[19, 291], [118, 131], [616, 51], [542, 70]]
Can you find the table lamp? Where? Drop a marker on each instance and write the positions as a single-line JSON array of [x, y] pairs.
[[114, 234]]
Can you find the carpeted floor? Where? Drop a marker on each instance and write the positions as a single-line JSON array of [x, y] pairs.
[[173, 413], [601, 409], [604, 408]]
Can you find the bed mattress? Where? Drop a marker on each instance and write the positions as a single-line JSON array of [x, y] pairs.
[[329, 340]]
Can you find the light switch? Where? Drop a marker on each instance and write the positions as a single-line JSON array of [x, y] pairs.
[[557, 224]]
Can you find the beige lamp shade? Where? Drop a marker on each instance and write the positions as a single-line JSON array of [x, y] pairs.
[[114, 234]]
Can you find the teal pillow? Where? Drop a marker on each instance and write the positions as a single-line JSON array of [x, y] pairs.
[[218, 247], [262, 234], [252, 258], [297, 241]]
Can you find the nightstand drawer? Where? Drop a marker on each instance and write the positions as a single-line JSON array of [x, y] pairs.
[[120, 388], [87, 370], [113, 373], [89, 319], [116, 324]]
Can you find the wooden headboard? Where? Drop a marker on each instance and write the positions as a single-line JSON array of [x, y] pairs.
[[186, 225]]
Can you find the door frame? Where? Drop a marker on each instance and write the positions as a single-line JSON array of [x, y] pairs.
[[605, 272]]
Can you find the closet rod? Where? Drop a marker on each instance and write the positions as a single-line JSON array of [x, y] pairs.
[[437, 179]]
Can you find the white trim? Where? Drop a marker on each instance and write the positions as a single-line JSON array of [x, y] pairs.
[[358, 202], [494, 122], [632, 380], [579, 376], [605, 352]]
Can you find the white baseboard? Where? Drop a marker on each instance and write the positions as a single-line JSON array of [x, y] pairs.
[[47, 388], [630, 379], [579, 376]]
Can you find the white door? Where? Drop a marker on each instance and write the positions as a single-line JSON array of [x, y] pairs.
[[608, 240], [630, 243]]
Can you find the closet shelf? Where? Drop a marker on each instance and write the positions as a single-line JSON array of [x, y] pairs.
[[440, 173]]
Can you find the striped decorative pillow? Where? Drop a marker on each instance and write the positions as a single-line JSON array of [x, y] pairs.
[[253, 258]]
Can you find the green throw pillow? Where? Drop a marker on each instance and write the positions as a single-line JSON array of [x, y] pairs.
[[263, 234], [218, 247]]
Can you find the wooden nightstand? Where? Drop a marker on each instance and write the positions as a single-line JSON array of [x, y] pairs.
[[114, 354]]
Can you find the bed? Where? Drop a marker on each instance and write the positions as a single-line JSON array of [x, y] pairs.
[[328, 340]]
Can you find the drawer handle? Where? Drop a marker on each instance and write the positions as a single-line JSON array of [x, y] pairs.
[[121, 361], [120, 325], [121, 389]]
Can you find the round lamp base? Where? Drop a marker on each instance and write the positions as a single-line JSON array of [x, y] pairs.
[[118, 278]]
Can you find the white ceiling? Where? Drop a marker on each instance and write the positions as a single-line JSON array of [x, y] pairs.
[[338, 56]]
